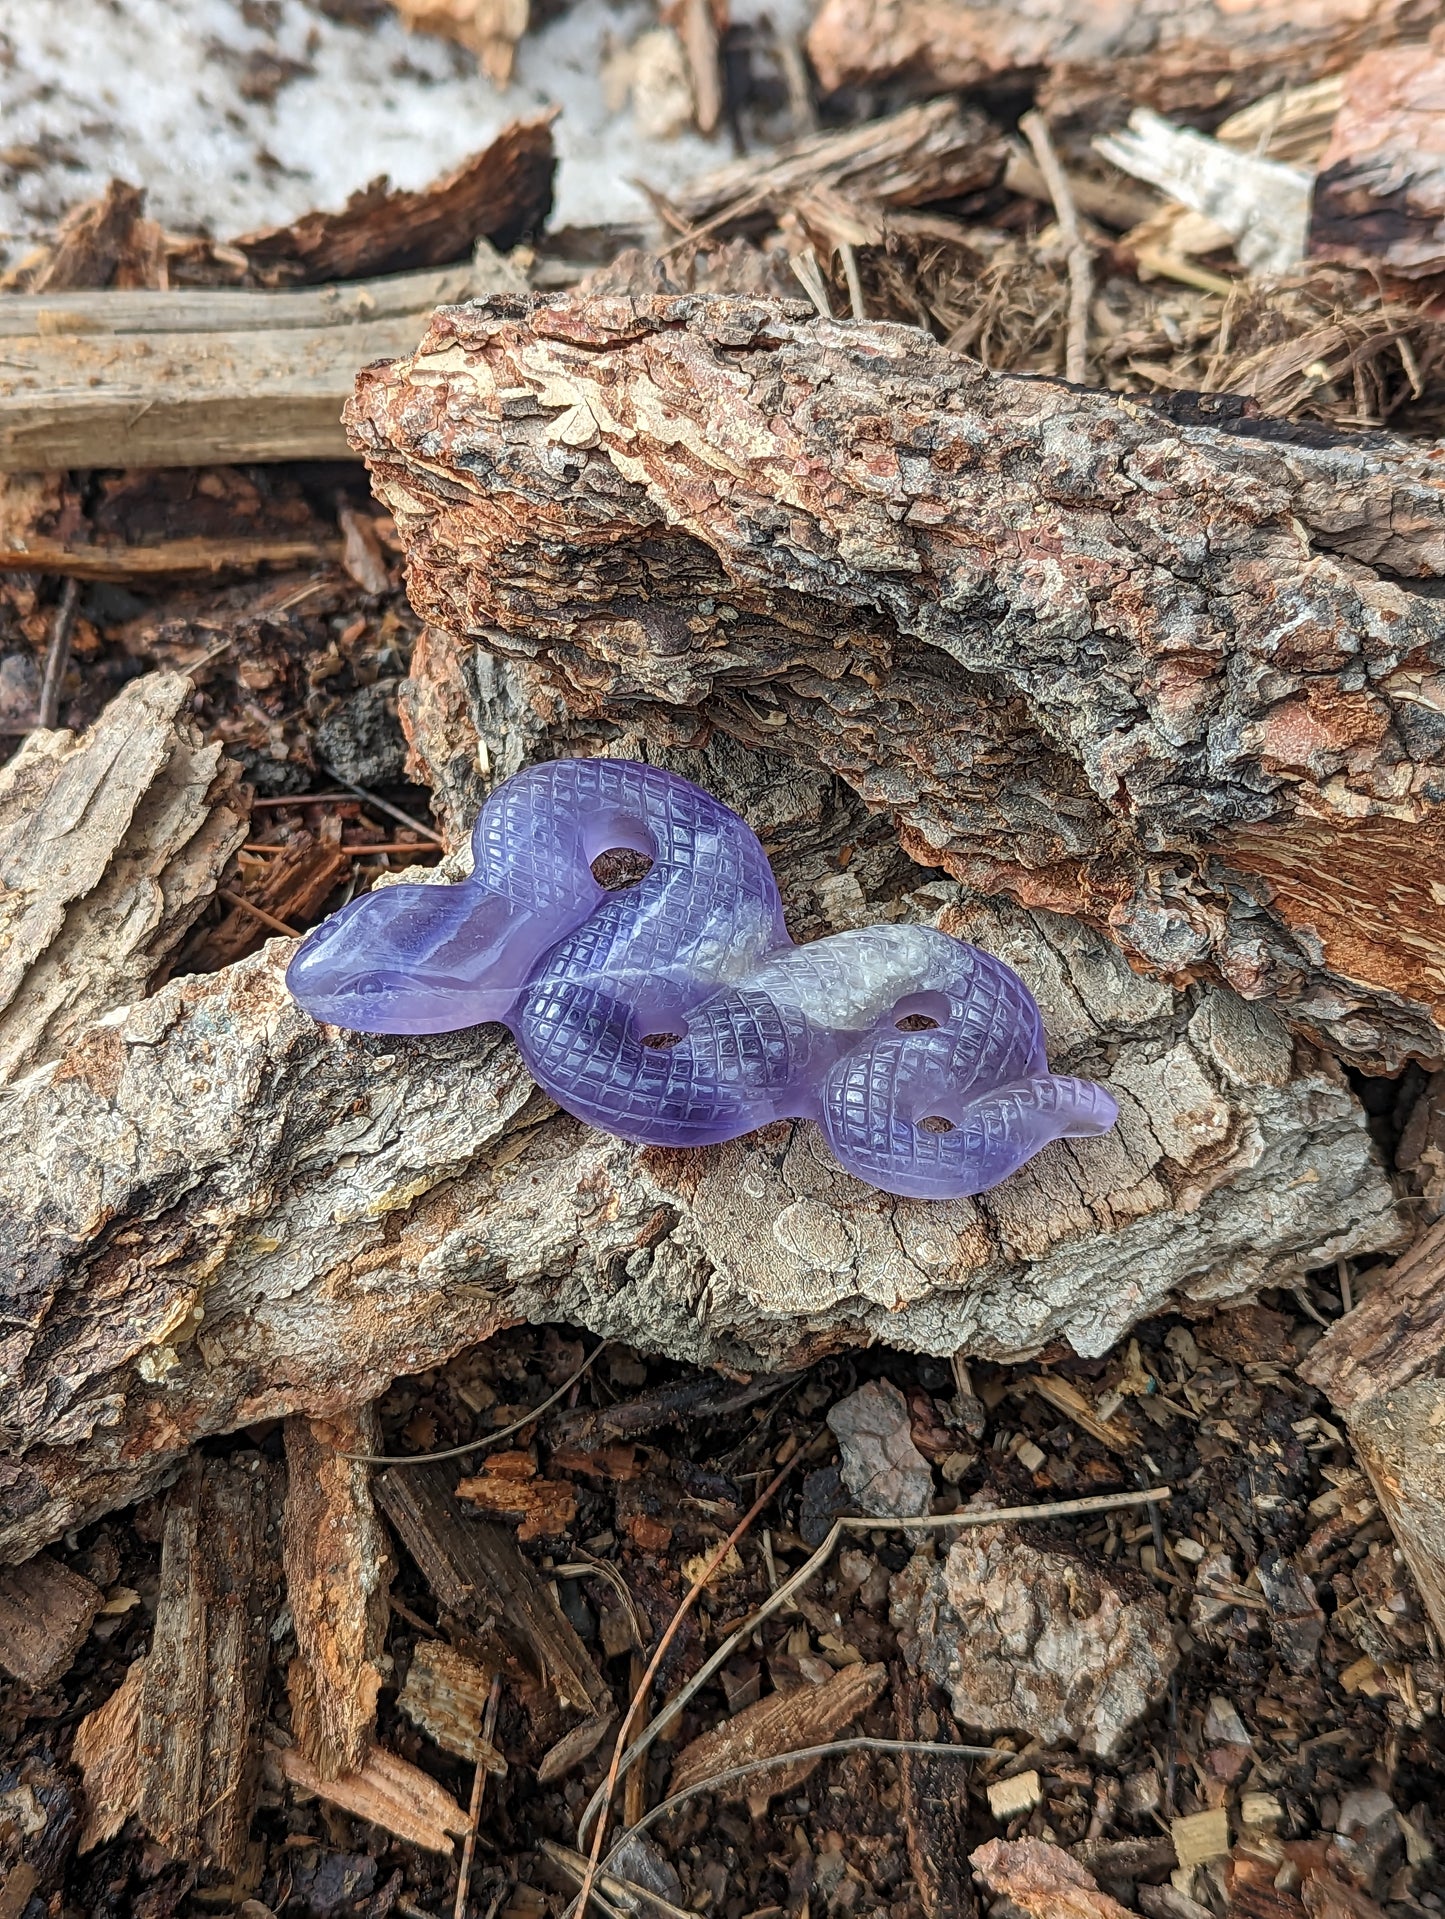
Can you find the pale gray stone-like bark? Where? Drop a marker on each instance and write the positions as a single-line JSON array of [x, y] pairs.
[[217, 1211]]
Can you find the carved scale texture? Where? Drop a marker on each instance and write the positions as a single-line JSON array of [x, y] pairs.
[[746, 1028]]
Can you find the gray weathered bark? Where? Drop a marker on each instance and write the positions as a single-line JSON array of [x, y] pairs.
[[111, 844], [220, 1212], [1180, 680]]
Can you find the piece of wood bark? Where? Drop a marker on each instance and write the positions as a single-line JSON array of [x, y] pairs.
[[477, 1571], [338, 1575], [1168, 677], [500, 195], [938, 151], [195, 378], [106, 1748], [933, 1805], [1379, 1366], [1392, 1337], [446, 1694], [1042, 1881], [1379, 198], [388, 1792], [112, 843], [45, 1613], [1200, 57], [216, 1211], [203, 1687], [104, 241], [1399, 1438], [783, 1722]]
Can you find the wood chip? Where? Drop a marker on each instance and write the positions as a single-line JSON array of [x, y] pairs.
[[573, 1748], [446, 1694], [1260, 1811], [107, 1751], [45, 1613], [1200, 1836], [509, 1488], [809, 1716], [388, 1792], [488, 28], [203, 1687], [1041, 1881], [1063, 1394], [1021, 1792]]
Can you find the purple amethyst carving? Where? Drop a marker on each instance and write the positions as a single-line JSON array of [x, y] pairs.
[[678, 1012]]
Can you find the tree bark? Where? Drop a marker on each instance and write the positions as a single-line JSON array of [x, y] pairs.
[[1182, 681], [219, 1212], [1200, 57], [201, 1693], [338, 1576], [111, 845]]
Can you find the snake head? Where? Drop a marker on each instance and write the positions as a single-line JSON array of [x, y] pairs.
[[416, 959]]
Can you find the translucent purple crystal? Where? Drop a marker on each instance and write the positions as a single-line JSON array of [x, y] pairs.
[[678, 1012]]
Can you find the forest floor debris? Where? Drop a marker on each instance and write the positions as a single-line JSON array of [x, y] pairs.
[[1152, 1631]]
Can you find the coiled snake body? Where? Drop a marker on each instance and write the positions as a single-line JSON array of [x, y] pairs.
[[678, 1012]]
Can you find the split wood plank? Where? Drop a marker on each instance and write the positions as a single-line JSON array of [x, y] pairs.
[[167, 559], [338, 1574], [201, 1697], [45, 1613], [1379, 1367], [476, 1569], [200, 377]]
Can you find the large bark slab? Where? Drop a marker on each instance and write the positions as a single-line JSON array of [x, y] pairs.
[[1181, 680], [112, 843], [1201, 56], [216, 1211]]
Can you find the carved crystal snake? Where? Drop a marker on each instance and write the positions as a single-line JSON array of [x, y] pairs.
[[678, 1012]]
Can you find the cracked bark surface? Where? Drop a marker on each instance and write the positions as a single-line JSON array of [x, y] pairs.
[[112, 843], [1182, 681], [1198, 56], [220, 1212]]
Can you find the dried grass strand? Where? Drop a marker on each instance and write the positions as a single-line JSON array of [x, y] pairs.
[[490, 1439]]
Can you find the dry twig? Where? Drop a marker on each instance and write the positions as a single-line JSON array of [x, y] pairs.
[[1081, 265], [620, 1758], [474, 1810], [491, 1439], [984, 1516], [57, 658]]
